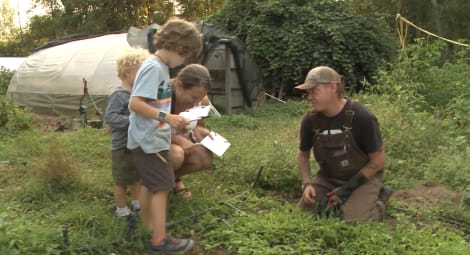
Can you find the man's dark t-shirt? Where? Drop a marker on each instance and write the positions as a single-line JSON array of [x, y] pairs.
[[365, 128]]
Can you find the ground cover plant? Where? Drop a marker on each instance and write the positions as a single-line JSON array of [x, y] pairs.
[[63, 179], [56, 187]]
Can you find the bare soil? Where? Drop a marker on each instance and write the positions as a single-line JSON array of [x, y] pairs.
[[429, 195], [53, 123], [60, 123]]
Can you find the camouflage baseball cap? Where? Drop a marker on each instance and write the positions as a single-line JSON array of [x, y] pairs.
[[319, 75]]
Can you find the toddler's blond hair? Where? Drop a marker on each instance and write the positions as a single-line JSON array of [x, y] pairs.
[[129, 59]]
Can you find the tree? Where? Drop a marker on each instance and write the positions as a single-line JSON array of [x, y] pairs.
[[287, 38], [198, 9], [8, 28], [10, 34], [69, 18], [100, 16]]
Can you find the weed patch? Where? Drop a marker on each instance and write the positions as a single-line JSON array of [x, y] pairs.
[[57, 168]]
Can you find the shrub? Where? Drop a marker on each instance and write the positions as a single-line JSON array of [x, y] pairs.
[[424, 115], [427, 77], [287, 38], [12, 118], [458, 110], [5, 77]]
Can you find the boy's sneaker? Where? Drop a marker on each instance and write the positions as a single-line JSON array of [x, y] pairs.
[[135, 210], [122, 212], [172, 245]]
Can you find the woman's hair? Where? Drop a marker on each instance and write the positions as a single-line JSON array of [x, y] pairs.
[[129, 59], [194, 75], [180, 36]]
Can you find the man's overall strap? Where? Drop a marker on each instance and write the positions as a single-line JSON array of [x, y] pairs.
[[349, 114], [315, 125]]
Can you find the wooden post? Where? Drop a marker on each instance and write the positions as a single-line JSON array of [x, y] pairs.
[[228, 85]]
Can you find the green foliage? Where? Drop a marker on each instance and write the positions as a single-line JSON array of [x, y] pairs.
[[458, 109], [71, 18], [428, 95], [433, 76], [13, 119], [198, 9], [258, 233], [418, 144], [7, 28], [226, 213], [445, 18], [68, 18], [451, 166], [5, 77], [19, 238], [306, 34]]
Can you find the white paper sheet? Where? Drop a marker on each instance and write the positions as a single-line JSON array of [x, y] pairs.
[[218, 144], [197, 112]]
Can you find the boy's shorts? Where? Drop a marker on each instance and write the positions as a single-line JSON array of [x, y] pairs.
[[156, 174], [124, 170]]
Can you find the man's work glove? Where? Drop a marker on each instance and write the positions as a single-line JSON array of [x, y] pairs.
[[325, 208], [322, 205], [340, 195]]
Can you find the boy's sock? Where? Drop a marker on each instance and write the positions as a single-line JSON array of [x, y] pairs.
[[135, 205]]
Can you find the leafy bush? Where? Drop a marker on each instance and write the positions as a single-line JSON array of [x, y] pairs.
[[443, 74], [12, 118], [287, 38], [414, 139], [431, 79], [425, 125], [458, 109], [5, 77]]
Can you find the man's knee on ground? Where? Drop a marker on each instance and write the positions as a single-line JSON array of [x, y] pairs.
[[358, 214]]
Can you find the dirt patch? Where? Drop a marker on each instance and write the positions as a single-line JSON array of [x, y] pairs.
[[4, 164], [62, 123], [53, 123], [429, 195]]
